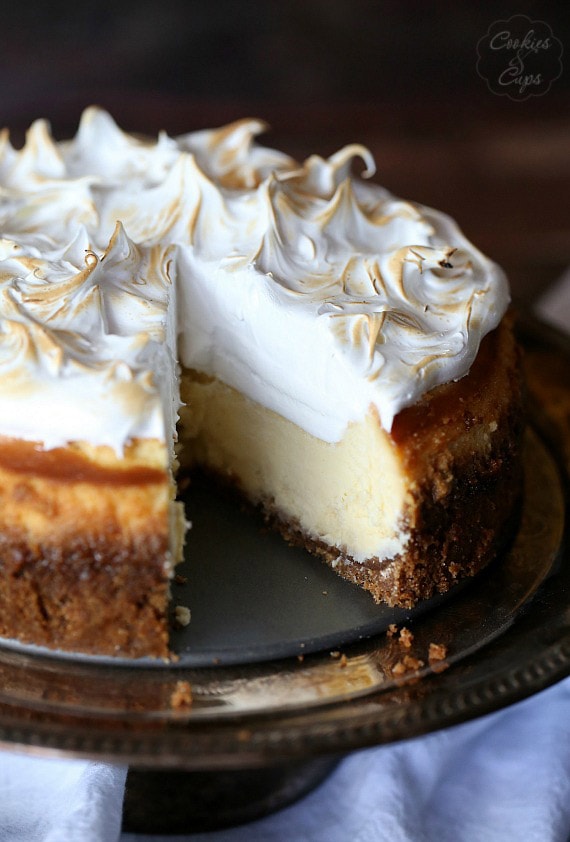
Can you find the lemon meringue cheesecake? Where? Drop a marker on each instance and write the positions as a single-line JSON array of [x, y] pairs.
[[339, 356]]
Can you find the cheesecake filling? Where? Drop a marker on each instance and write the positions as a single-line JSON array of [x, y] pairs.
[[331, 493]]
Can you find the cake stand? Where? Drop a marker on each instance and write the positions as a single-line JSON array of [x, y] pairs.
[[281, 675]]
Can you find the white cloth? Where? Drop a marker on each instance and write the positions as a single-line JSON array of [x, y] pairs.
[[554, 305], [59, 800], [502, 778]]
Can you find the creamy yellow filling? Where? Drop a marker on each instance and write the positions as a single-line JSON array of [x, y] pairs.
[[350, 494]]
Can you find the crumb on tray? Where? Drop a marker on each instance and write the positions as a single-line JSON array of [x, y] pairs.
[[437, 652], [181, 696], [406, 665], [182, 616], [406, 638]]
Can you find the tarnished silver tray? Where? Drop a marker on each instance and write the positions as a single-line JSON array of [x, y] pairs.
[[505, 636]]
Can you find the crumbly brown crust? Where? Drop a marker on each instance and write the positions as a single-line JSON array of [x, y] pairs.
[[84, 549], [97, 593]]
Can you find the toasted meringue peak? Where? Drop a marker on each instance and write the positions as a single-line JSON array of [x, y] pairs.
[[313, 291]]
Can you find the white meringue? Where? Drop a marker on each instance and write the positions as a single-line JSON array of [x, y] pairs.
[[313, 292]]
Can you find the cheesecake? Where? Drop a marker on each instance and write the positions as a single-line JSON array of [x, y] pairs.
[[340, 358]]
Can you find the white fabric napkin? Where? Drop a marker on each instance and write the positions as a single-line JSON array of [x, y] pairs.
[[554, 305], [502, 778], [59, 800]]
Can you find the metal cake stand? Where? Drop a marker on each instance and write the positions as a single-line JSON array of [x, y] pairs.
[[287, 678]]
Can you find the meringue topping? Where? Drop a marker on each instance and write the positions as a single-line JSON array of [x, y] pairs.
[[316, 293]]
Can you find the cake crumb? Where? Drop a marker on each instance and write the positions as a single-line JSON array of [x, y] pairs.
[[181, 696], [437, 652], [180, 580], [407, 664], [182, 616], [406, 638], [343, 661], [300, 658], [413, 663], [335, 654]]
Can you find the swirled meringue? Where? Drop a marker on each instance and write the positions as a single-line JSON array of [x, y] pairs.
[[86, 352], [315, 293]]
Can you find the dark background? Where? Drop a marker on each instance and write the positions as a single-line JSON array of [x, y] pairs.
[[400, 77]]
